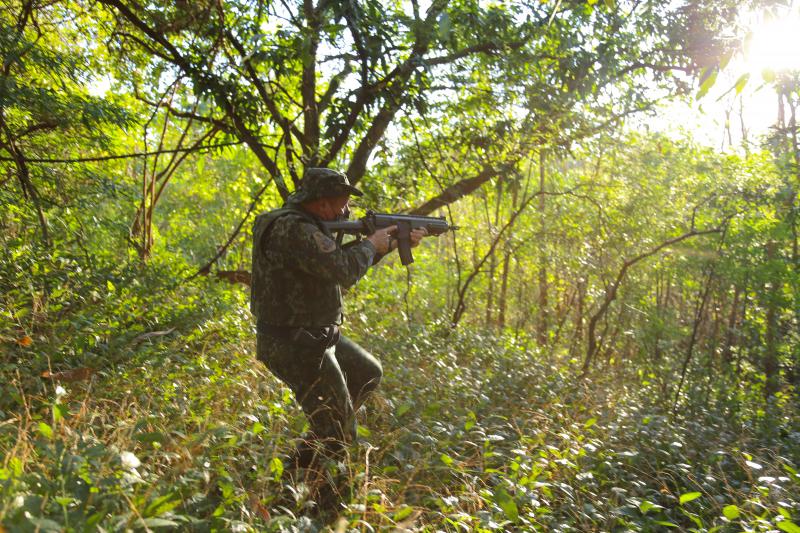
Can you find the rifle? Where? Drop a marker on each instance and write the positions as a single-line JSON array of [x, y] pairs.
[[405, 223]]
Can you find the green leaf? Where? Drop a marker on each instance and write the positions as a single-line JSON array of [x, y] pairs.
[[789, 527], [471, 421], [153, 436], [257, 428], [159, 522], [446, 459], [689, 496], [741, 82], [731, 512], [589, 423], [503, 499], [402, 513], [162, 504], [645, 506], [666, 524], [709, 77], [276, 467], [110, 286], [45, 430], [59, 412]]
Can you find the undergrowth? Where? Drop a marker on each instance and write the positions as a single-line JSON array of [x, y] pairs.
[[162, 419]]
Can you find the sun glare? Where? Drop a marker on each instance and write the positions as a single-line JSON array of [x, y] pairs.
[[775, 44]]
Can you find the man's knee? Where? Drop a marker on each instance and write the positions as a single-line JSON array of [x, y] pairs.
[[373, 374]]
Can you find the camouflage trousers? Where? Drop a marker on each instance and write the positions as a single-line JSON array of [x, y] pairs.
[[330, 384]]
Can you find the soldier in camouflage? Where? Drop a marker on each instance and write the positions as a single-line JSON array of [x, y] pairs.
[[297, 275]]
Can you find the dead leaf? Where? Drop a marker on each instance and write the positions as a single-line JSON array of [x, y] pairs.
[[70, 376], [258, 508], [235, 276], [25, 341]]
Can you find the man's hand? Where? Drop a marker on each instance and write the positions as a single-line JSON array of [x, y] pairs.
[[382, 238], [416, 235]]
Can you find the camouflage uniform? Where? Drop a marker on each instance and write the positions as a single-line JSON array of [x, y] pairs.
[[298, 273]]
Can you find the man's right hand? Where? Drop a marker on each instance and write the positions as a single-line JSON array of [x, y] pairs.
[[382, 238]]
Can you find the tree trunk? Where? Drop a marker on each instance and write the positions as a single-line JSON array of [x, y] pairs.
[[542, 323], [730, 330], [493, 258], [772, 334]]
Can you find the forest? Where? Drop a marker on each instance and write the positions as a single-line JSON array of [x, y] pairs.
[[609, 341]]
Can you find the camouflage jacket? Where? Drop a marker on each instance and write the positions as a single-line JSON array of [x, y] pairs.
[[298, 269]]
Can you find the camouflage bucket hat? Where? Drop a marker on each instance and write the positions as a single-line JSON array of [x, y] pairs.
[[322, 183]]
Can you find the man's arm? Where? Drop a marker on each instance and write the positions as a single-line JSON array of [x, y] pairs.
[[313, 252]]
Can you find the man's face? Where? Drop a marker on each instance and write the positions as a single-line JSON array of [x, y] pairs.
[[334, 207]]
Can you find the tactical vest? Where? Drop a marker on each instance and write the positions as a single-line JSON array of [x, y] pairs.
[[281, 294]]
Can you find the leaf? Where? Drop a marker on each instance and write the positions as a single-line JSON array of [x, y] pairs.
[[162, 504], [666, 524], [446, 459], [110, 286], [60, 411], [45, 430], [689, 496], [69, 376], [789, 527], [471, 421], [257, 428], [403, 512], [741, 82], [645, 506], [709, 77], [731, 512], [258, 507], [589, 423], [276, 468], [159, 522], [25, 341], [506, 503], [153, 436]]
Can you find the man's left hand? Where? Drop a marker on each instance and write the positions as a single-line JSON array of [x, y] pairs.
[[416, 236]]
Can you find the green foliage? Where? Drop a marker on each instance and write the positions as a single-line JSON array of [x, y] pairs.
[[129, 395]]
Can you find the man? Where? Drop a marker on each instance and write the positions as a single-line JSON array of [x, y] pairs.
[[298, 272]]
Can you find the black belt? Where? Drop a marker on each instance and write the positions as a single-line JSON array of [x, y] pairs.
[[315, 336]]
